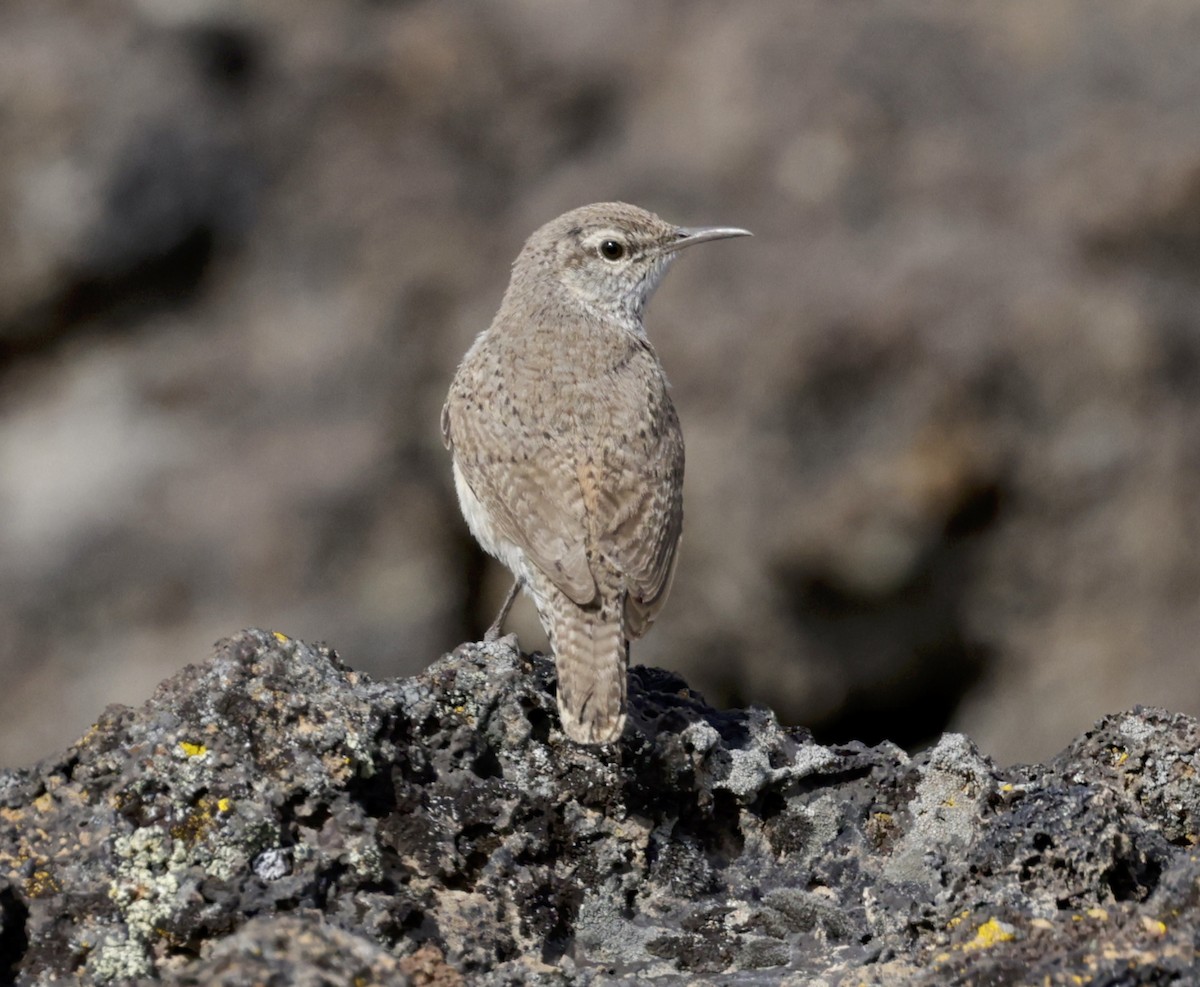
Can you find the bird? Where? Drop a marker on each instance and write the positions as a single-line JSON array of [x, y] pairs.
[[566, 448]]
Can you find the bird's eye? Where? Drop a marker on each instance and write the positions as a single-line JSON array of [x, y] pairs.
[[612, 249]]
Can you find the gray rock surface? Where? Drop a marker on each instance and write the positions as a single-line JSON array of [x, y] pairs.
[[940, 413], [272, 816]]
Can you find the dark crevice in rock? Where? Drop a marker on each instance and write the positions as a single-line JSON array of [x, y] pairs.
[[1133, 879], [376, 793], [14, 937]]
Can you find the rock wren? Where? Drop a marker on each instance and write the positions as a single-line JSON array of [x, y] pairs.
[[568, 458]]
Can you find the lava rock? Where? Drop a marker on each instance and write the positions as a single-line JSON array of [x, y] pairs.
[[272, 816]]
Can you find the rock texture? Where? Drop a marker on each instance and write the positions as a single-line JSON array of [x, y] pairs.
[[272, 816], [940, 412]]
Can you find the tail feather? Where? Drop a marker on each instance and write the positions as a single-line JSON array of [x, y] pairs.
[[591, 656]]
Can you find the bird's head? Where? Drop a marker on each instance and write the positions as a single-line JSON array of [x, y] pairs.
[[609, 256]]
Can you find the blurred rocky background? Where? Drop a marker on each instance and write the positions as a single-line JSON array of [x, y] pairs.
[[942, 413]]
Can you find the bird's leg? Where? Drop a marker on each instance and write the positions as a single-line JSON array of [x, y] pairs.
[[493, 632]]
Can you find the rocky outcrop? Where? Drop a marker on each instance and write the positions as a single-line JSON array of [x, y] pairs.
[[271, 815]]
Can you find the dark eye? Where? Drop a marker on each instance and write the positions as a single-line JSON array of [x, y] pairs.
[[612, 249]]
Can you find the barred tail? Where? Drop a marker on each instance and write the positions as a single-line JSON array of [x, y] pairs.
[[591, 656]]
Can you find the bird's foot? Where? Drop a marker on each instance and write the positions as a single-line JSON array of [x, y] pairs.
[[509, 639]]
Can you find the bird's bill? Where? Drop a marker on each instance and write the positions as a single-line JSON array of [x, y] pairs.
[[689, 235]]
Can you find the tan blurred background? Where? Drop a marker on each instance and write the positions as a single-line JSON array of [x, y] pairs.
[[942, 412]]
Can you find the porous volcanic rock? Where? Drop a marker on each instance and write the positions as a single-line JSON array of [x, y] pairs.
[[272, 816]]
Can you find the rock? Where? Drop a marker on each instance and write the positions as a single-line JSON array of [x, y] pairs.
[[272, 815]]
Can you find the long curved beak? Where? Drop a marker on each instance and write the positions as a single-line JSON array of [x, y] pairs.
[[689, 235]]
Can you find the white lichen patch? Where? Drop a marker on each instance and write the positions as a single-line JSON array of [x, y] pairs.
[[145, 891], [953, 787]]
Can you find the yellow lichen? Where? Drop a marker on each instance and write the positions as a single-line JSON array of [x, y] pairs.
[[987, 935], [192, 750], [990, 933], [41, 882], [280, 637], [958, 919], [196, 824], [1154, 926], [224, 805]]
